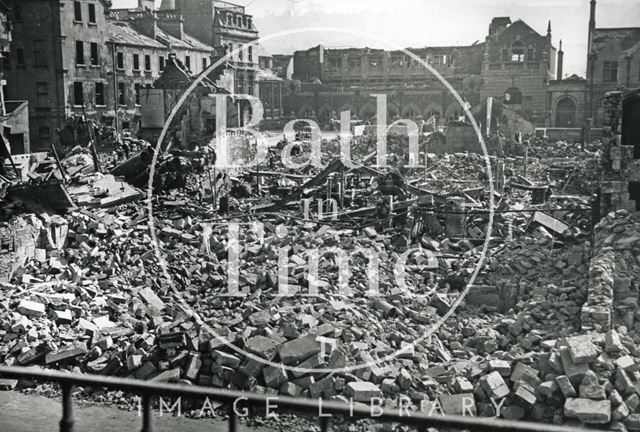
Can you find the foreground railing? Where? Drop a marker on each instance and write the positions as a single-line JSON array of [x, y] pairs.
[[148, 389]]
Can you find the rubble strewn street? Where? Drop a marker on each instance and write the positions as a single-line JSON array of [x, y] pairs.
[[444, 230], [85, 292]]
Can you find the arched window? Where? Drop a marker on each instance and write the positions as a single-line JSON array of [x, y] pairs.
[[517, 51], [513, 96], [566, 113]]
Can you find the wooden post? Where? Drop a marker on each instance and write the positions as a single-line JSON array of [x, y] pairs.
[[66, 423], [342, 189], [526, 158]]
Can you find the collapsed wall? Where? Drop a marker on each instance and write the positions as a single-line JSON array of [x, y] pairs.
[[613, 275]]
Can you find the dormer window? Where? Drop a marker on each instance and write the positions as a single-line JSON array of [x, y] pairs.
[[229, 19], [517, 51]]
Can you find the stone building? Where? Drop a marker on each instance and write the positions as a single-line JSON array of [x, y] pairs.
[[93, 61], [227, 25], [566, 102], [15, 114], [58, 60], [613, 63], [514, 64], [140, 42], [517, 67]]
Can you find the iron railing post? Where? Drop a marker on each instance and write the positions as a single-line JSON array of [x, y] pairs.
[[232, 420], [324, 424], [146, 413], [66, 423]]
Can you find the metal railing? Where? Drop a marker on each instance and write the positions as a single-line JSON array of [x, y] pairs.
[[148, 389]]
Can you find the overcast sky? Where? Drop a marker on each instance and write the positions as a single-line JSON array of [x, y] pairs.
[[417, 23]]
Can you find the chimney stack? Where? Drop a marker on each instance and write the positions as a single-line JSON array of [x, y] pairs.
[[560, 62], [146, 23], [172, 23]]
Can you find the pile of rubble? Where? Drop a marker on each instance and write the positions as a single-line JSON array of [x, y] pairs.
[[87, 292]]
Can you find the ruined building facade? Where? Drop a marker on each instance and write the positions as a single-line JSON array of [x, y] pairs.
[[95, 60], [514, 65]]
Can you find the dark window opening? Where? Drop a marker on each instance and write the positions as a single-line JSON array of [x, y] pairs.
[[147, 63], [187, 62], [610, 71], [204, 63], [120, 60], [77, 11], [138, 88], [512, 96], [136, 62], [161, 63], [92, 13], [99, 94], [530, 56], [630, 123], [78, 94], [42, 94], [79, 53], [517, 51], [44, 133], [240, 85], [20, 57], [95, 61], [122, 100], [39, 54]]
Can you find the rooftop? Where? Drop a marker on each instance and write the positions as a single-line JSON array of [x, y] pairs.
[[122, 32]]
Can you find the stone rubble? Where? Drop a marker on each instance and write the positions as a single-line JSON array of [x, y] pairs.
[[535, 336]]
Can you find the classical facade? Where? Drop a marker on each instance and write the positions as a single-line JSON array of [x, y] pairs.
[[140, 42], [94, 61], [613, 63], [518, 64], [514, 64], [58, 59], [226, 25]]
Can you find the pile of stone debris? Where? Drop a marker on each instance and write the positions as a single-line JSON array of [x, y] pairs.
[[109, 289]]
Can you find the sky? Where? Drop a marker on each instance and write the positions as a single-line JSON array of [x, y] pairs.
[[419, 23]]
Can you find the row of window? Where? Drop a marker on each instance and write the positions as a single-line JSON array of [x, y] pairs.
[[335, 64], [135, 58], [230, 47], [120, 63], [78, 14], [40, 58], [238, 20], [517, 53], [240, 84], [94, 58], [98, 93]]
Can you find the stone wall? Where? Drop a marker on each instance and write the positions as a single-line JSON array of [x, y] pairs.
[[614, 274]]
